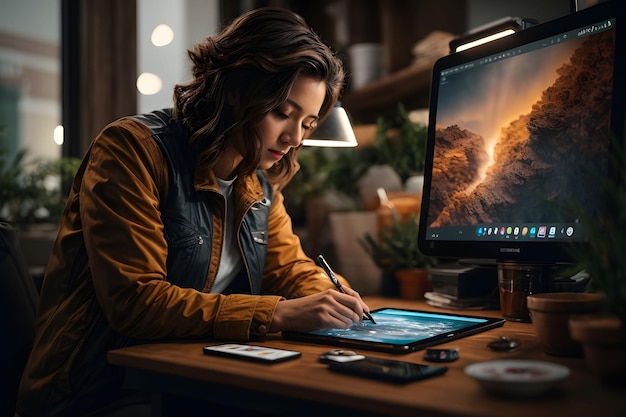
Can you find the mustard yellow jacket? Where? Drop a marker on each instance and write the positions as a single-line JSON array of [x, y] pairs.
[[112, 220]]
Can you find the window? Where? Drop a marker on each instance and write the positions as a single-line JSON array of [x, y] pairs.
[[30, 79]]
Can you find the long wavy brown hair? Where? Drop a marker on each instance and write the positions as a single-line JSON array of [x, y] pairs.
[[256, 59]]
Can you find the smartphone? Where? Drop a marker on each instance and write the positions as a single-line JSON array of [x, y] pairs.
[[251, 352], [387, 369]]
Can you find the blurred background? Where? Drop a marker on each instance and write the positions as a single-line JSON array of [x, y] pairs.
[[69, 67]]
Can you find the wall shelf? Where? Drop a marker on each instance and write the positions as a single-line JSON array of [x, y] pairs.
[[410, 86], [402, 24]]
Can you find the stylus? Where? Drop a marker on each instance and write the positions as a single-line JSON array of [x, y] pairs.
[[333, 278]]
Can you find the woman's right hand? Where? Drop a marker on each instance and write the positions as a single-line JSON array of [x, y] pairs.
[[328, 309]]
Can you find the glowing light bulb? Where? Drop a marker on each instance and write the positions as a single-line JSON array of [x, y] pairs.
[[149, 84], [162, 35], [58, 135]]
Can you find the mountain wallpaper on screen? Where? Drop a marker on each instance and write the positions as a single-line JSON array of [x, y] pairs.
[[542, 156]]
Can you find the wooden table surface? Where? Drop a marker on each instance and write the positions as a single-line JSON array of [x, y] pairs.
[[305, 384]]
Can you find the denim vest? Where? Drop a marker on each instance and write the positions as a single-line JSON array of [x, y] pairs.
[[187, 215]]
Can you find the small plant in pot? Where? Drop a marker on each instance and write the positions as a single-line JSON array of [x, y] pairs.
[[396, 253], [401, 143], [603, 336], [34, 192]]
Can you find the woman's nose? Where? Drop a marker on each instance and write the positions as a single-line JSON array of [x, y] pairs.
[[294, 136]]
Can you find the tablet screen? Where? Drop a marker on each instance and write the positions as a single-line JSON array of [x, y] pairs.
[[400, 330]]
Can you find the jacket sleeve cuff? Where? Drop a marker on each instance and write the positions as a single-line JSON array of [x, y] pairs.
[[243, 317]]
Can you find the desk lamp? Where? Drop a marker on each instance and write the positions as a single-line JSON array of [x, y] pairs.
[[334, 132], [490, 32]]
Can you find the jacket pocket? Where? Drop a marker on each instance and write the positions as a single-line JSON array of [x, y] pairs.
[[187, 255]]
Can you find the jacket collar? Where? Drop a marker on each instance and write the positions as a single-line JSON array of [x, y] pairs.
[[248, 187]]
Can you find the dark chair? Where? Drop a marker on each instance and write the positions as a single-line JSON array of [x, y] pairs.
[[18, 302]]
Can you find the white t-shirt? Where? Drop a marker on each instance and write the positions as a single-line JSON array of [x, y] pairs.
[[231, 261]]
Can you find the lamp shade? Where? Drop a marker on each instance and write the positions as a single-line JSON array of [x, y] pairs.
[[335, 131]]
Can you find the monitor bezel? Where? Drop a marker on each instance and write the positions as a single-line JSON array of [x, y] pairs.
[[522, 251]]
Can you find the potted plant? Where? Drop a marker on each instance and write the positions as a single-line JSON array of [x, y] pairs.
[[396, 253], [603, 336], [35, 192], [332, 186], [401, 144], [32, 198], [396, 161]]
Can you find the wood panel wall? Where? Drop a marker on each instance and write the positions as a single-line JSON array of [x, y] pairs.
[[99, 67]]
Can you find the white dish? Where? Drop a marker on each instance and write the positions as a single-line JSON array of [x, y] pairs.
[[517, 377]]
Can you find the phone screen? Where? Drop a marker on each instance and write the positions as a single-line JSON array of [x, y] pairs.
[[387, 369], [251, 352]]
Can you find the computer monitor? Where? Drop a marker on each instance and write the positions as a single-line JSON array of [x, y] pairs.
[[518, 128]]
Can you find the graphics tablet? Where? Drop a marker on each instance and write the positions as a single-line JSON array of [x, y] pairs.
[[400, 330]]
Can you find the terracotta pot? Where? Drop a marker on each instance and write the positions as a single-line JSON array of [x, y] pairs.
[[413, 283], [550, 314], [603, 338]]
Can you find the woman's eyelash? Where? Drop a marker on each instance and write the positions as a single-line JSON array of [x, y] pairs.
[[280, 114]]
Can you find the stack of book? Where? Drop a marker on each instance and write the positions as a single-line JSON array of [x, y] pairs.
[[460, 286]]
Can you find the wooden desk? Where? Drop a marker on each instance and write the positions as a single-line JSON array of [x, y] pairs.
[[305, 387]]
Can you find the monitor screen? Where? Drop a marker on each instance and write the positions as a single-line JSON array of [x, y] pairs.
[[518, 128]]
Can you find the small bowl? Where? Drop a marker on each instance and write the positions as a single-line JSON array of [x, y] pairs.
[[517, 377]]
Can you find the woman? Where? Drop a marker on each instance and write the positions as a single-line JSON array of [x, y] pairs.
[[175, 225]]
